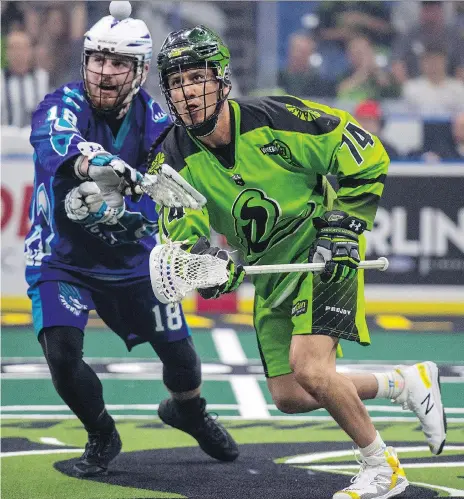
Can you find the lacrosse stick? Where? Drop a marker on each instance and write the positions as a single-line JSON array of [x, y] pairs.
[[175, 272], [168, 188], [165, 186]]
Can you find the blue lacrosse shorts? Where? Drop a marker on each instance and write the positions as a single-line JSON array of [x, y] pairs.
[[129, 307]]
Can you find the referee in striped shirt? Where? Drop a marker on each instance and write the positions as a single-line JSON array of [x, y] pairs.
[[23, 85]]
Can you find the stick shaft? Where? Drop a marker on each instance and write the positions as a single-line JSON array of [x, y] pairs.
[[380, 264]]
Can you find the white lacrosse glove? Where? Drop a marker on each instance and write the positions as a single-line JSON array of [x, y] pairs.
[[114, 177], [167, 188], [85, 205]]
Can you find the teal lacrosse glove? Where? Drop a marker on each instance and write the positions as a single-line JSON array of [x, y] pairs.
[[107, 168], [336, 245], [236, 272], [113, 176]]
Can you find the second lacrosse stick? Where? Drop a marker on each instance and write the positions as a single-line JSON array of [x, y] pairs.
[[175, 272]]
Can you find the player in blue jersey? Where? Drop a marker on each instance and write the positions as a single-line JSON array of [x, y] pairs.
[[89, 244]]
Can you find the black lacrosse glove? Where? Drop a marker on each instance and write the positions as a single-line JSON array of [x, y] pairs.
[[336, 245], [236, 272]]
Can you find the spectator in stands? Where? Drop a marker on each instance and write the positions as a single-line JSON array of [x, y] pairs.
[[370, 117], [366, 79], [23, 86], [434, 93], [431, 28], [442, 141], [405, 13], [459, 15], [301, 76], [12, 20], [46, 59], [338, 21], [458, 137], [12, 17], [163, 17], [61, 38]]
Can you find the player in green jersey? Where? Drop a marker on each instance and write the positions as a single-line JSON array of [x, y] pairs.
[[262, 165]]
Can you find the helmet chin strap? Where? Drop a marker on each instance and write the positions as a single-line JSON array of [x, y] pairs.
[[209, 125]]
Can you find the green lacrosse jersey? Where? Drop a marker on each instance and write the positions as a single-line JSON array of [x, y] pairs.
[[263, 193]]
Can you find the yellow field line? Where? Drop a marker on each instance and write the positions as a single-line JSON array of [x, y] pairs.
[[23, 304]]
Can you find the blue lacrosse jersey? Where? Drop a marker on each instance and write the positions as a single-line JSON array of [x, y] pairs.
[[55, 244]]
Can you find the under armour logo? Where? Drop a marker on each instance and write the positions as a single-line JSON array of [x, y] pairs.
[[355, 226], [429, 404]]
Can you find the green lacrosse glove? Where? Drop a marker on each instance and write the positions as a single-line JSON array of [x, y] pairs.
[[236, 272], [336, 245]]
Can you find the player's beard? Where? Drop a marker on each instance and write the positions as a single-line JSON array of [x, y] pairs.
[[107, 99], [107, 94]]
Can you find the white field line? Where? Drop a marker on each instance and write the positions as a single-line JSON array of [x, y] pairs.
[[247, 391], [158, 377], [450, 491], [40, 359], [228, 347], [154, 407], [250, 360], [250, 398], [41, 452], [378, 419], [315, 458], [52, 441], [110, 407], [438, 464]]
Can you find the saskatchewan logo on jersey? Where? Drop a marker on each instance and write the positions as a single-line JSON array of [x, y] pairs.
[[156, 163], [258, 223], [303, 113], [279, 148]]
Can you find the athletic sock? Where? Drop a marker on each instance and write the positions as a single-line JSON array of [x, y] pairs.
[[105, 424], [190, 406], [376, 448], [390, 385]]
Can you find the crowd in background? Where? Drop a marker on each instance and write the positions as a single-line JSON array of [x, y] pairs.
[[372, 58]]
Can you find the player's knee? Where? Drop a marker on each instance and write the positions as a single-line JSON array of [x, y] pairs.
[[314, 379], [181, 365], [62, 347], [286, 404], [291, 401]]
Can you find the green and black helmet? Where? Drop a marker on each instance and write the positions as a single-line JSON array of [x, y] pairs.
[[199, 47]]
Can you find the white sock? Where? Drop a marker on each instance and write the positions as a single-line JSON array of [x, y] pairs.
[[375, 448], [390, 385]]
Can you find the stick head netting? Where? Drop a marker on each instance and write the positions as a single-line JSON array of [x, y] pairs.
[[168, 188], [174, 272]]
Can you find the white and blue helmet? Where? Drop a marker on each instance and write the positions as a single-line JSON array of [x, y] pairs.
[[127, 37]]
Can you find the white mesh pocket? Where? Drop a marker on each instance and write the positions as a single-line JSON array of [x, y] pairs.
[[174, 272]]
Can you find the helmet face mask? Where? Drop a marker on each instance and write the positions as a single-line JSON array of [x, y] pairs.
[[115, 62], [110, 78], [194, 94], [195, 59]]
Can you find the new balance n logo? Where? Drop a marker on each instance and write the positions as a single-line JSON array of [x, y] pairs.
[[429, 404]]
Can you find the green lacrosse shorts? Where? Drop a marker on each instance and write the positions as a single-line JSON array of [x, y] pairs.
[[308, 306]]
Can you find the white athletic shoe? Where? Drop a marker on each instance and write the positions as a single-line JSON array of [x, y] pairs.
[[379, 478], [422, 395]]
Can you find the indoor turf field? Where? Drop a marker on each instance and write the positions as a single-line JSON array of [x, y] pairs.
[[282, 456]]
